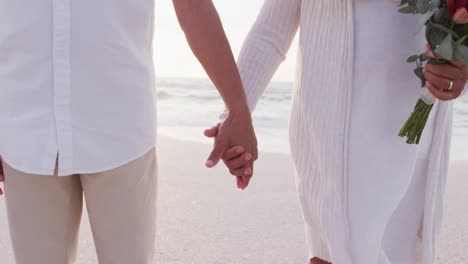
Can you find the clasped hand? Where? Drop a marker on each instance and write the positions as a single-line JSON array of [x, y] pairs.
[[236, 144]]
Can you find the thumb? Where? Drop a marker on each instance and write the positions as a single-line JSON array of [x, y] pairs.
[[216, 154], [212, 132]]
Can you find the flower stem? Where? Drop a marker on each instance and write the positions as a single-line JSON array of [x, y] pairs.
[[414, 126]]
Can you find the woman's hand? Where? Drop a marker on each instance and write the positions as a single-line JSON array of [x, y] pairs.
[[239, 163], [446, 82]]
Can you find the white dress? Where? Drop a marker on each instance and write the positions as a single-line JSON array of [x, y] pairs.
[[367, 197]]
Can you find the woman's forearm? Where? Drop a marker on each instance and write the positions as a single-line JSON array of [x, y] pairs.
[[266, 45]]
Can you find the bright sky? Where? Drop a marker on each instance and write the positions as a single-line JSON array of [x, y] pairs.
[[173, 56]]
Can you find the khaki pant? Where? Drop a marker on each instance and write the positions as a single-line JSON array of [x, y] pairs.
[[44, 213]]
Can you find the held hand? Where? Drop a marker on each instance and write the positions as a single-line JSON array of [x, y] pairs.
[[446, 82], [238, 161], [235, 159], [236, 130], [2, 175]]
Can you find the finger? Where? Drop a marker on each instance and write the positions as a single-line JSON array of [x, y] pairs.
[[449, 72], [240, 183], [429, 51], [243, 183], [212, 132], [431, 54], [255, 154], [437, 81], [457, 64], [246, 179], [233, 153], [216, 154], [241, 172], [242, 161], [437, 93]]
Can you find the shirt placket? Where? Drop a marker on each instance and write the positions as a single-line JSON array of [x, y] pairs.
[[62, 83]]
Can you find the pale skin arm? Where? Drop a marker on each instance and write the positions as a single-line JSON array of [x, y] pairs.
[[207, 39]]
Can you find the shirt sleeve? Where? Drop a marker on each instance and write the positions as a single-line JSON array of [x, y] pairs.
[[266, 46]]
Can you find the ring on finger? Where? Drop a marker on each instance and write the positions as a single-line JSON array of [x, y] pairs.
[[450, 88]]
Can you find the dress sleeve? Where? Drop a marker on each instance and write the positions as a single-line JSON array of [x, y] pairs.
[[266, 45]]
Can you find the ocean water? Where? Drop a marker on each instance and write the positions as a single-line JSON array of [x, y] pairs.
[[188, 106]]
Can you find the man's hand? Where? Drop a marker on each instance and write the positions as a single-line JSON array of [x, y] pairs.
[[446, 82], [238, 160], [2, 175]]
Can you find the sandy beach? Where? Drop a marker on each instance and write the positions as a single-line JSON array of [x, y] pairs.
[[204, 219]]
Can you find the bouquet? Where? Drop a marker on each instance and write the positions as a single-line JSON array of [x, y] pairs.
[[446, 29]]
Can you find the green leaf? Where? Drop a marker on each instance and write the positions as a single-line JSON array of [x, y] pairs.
[[412, 59], [445, 49], [434, 35], [446, 30], [461, 54], [420, 73], [424, 57], [423, 6], [438, 62], [422, 20], [443, 17], [409, 10]]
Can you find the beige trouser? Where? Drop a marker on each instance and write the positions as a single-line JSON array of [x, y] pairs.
[[44, 213]]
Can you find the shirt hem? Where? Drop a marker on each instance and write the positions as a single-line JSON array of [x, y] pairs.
[[43, 172], [110, 167]]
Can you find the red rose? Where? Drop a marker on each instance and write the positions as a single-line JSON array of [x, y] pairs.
[[454, 5], [461, 16]]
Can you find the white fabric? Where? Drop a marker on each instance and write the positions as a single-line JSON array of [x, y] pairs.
[[77, 80], [401, 235], [353, 93]]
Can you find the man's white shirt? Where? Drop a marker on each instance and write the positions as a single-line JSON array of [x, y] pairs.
[[76, 82]]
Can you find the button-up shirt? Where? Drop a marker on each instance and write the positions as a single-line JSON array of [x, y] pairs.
[[76, 83]]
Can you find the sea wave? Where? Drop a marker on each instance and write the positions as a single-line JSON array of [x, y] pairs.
[[195, 103], [181, 94]]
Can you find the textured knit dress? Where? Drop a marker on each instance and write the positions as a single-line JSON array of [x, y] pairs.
[[367, 197]]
